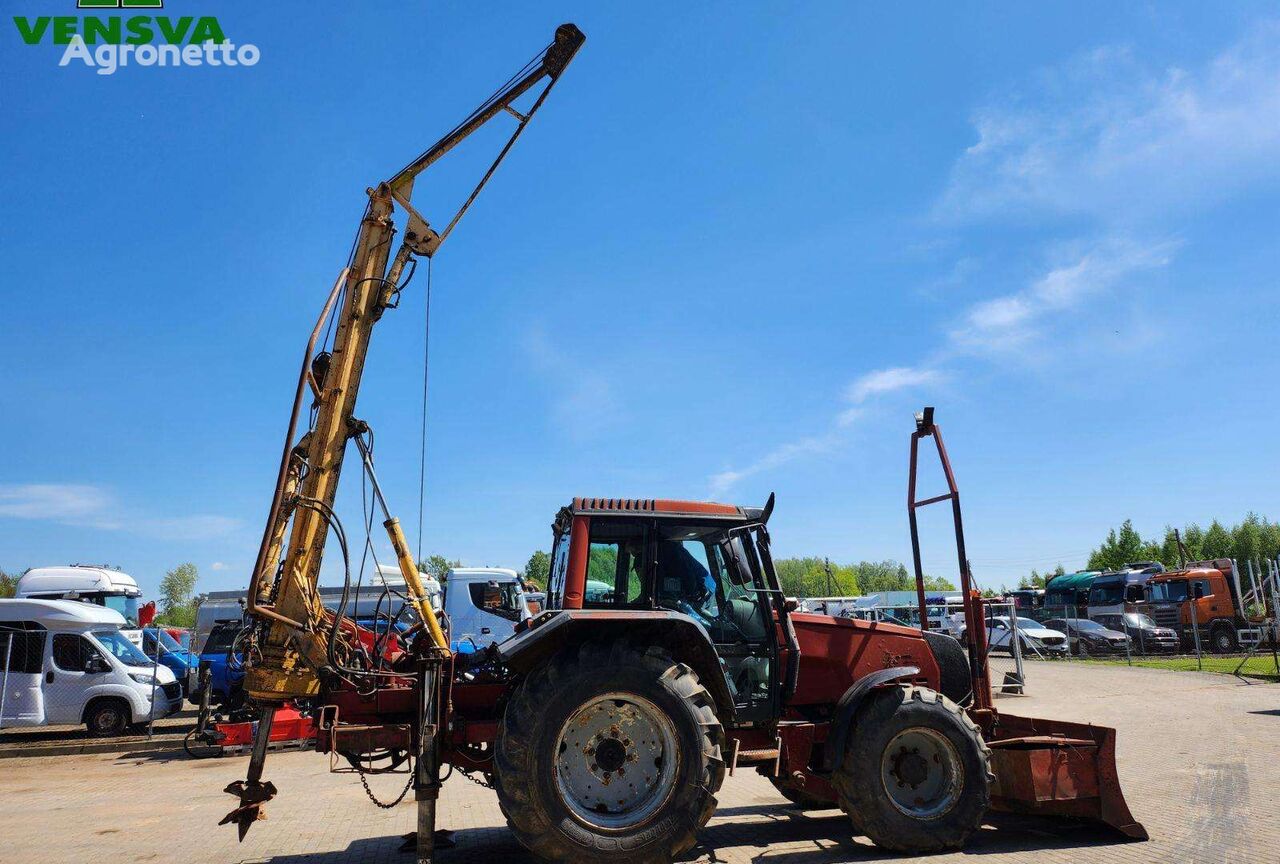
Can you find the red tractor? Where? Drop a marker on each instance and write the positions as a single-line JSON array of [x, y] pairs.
[[607, 723]]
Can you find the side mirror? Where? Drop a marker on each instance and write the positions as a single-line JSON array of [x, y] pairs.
[[95, 665]]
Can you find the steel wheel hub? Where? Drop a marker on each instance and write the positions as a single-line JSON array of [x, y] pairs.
[[921, 774], [616, 761]]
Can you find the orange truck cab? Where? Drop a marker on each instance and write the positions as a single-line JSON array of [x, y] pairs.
[[1200, 598]]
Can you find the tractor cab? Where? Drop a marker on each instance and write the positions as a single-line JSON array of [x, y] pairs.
[[701, 561]]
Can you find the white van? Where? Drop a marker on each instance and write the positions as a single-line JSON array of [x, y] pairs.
[[67, 662], [88, 583]]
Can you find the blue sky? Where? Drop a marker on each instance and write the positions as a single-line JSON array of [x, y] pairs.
[[732, 255]]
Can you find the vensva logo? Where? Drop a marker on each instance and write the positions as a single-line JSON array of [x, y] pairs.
[[147, 40], [135, 30], [120, 4]]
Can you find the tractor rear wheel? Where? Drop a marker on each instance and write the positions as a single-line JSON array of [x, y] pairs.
[[609, 753], [916, 773]]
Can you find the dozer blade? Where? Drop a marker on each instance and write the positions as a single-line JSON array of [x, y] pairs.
[[1054, 768], [252, 796]]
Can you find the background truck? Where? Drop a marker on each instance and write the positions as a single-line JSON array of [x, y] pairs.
[[1203, 596], [97, 584], [1122, 590], [484, 605], [1067, 596]]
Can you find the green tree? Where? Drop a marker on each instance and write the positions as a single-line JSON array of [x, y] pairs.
[[934, 583], [1246, 540], [878, 576], [1217, 541], [1270, 539], [538, 568], [177, 604], [1120, 548], [177, 586], [437, 566], [8, 585], [816, 577]]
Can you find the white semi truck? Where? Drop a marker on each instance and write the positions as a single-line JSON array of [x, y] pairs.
[[97, 584]]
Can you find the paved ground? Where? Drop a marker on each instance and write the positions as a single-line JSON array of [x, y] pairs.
[[1199, 758]]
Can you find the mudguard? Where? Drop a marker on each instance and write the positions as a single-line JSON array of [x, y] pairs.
[[847, 707], [679, 634]]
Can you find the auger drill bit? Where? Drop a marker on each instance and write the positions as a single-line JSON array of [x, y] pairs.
[[252, 792]]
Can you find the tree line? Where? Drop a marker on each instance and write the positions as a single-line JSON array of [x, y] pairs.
[[1255, 539], [806, 577]]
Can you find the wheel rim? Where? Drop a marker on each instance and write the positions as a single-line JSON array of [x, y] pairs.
[[921, 774], [616, 761], [106, 719]]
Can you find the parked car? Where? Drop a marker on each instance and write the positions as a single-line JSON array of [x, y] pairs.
[[1145, 635], [1089, 637], [1034, 638], [181, 663], [69, 662]]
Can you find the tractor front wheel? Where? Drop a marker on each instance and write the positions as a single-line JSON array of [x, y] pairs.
[[916, 773], [609, 754]]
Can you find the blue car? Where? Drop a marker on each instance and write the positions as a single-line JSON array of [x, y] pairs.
[[226, 674], [180, 661]]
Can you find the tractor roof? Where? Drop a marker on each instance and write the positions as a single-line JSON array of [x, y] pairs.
[[662, 508]]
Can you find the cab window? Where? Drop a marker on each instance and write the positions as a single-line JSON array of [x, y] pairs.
[[559, 569], [615, 564], [497, 598], [71, 652], [696, 577]]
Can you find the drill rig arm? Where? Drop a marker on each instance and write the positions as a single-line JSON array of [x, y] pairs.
[[283, 593], [294, 639]]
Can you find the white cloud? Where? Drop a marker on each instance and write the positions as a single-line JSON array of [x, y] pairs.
[[1124, 146], [889, 380], [86, 506], [217, 566], [54, 501], [722, 482], [1010, 321], [1107, 137]]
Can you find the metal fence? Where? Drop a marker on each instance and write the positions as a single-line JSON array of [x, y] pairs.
[[1137, 637]]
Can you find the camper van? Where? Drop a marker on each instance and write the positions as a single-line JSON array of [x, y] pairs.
[[64, 662], [87, 583]]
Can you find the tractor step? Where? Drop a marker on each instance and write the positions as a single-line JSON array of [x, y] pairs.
[[756, 757]]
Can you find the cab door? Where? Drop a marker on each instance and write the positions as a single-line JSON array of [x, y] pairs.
[[75, 665], [22, 661], [750, 653]]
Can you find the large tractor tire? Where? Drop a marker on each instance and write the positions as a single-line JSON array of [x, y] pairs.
[[916, 773], [609, 754]]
